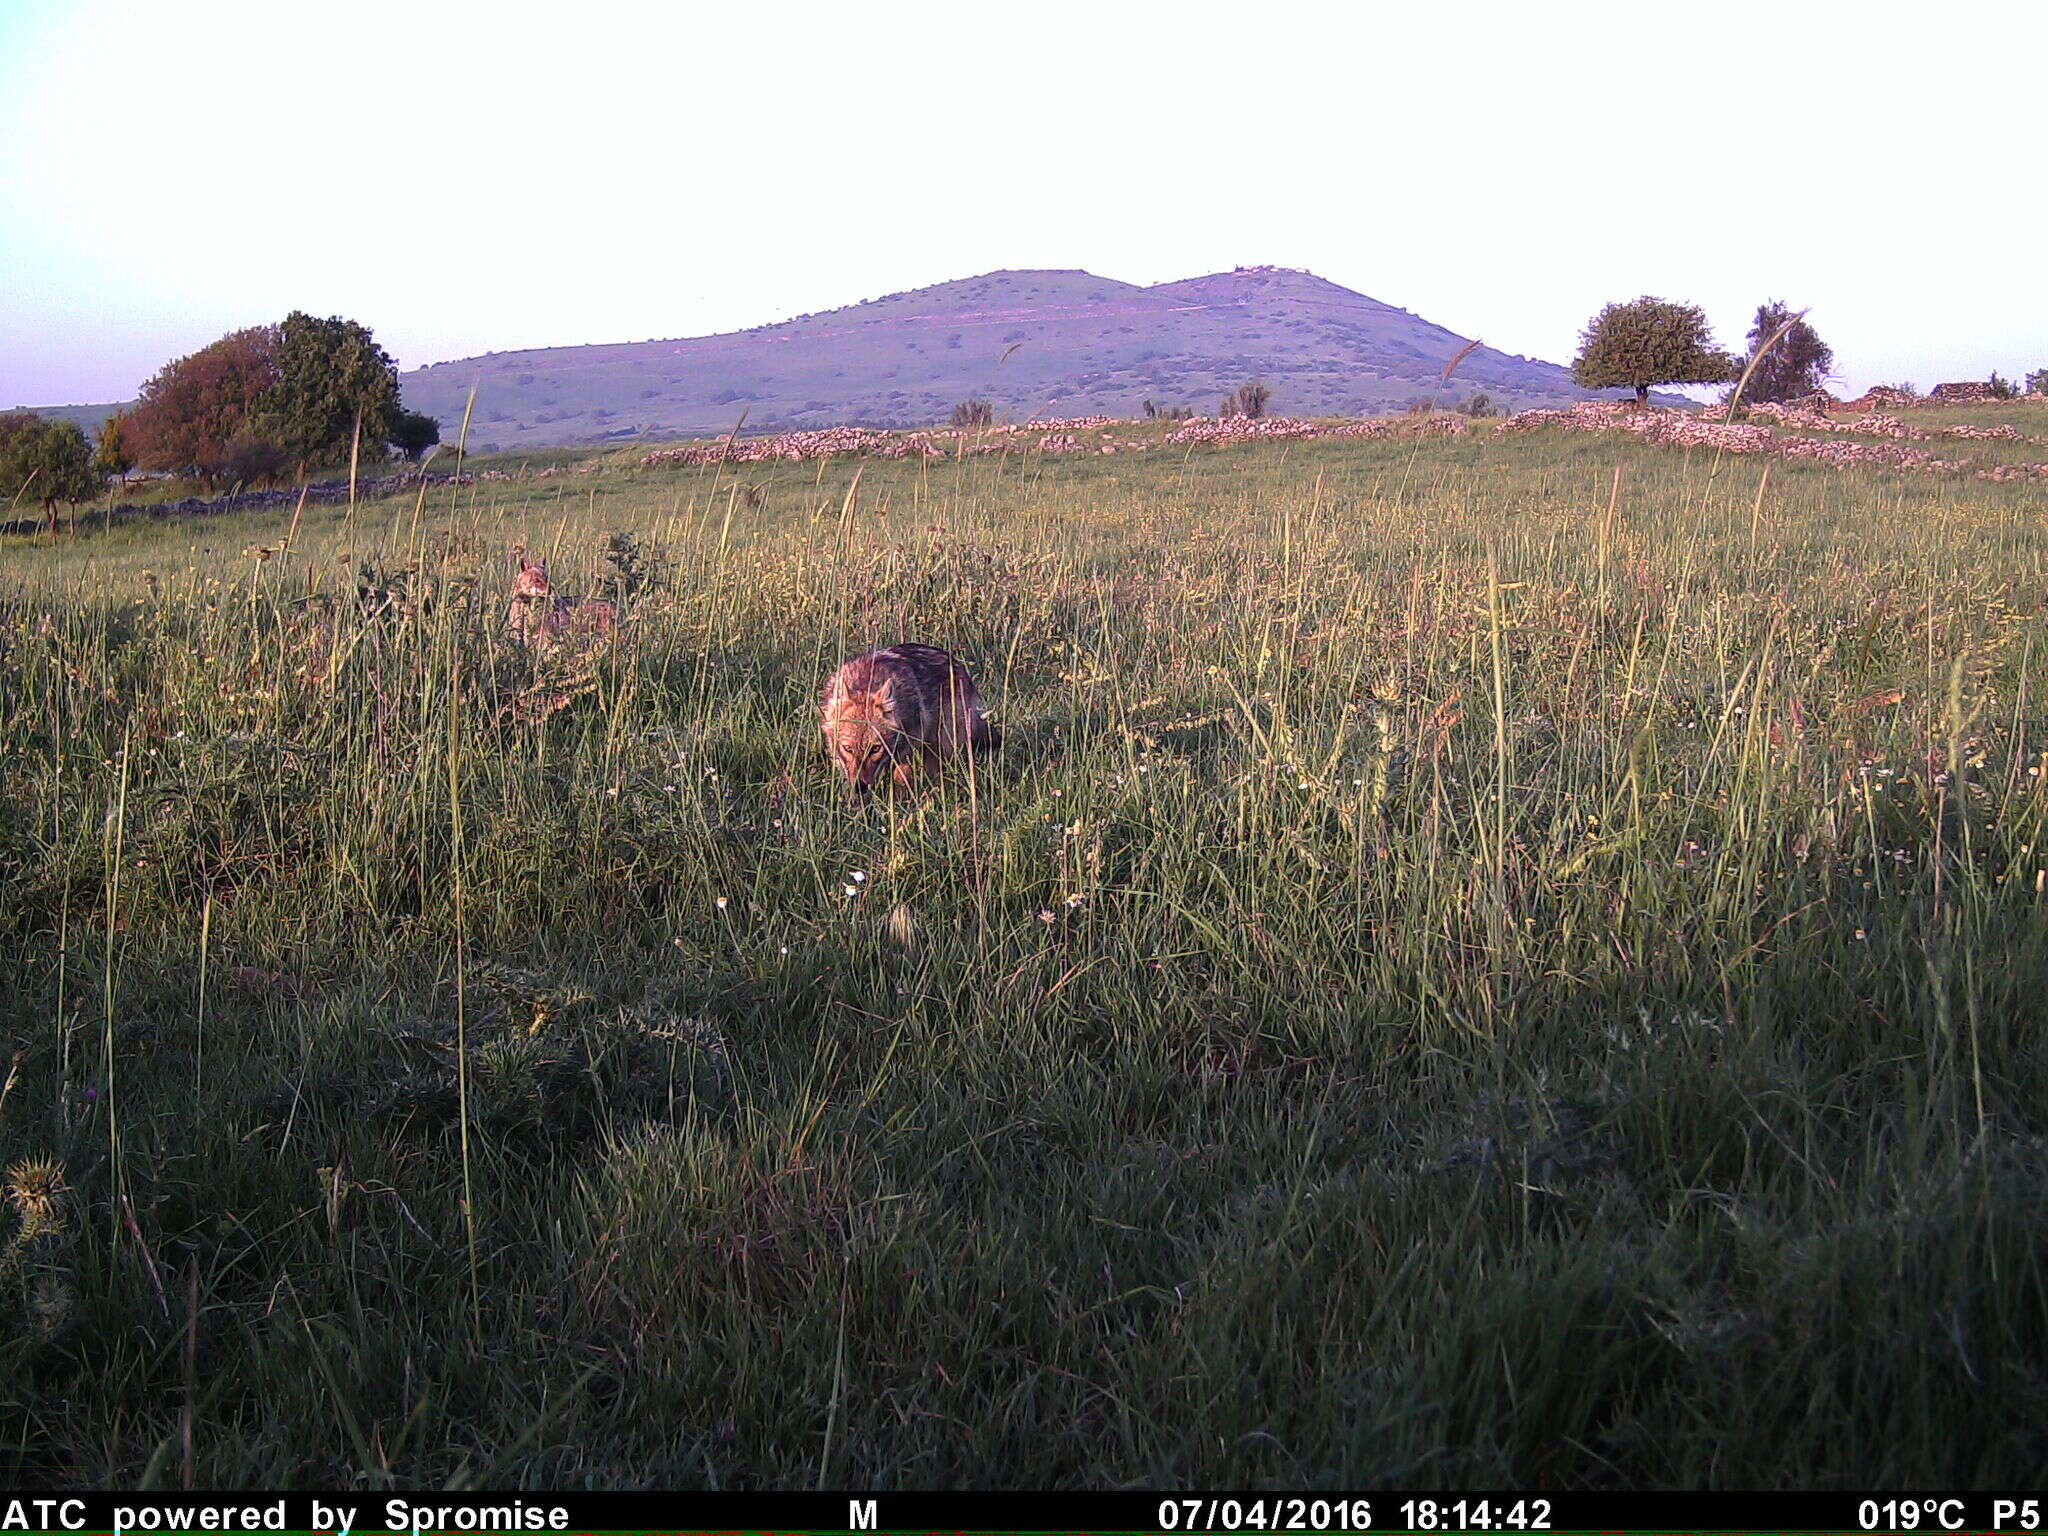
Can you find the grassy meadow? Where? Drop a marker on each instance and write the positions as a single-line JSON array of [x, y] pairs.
[[1497, 961]]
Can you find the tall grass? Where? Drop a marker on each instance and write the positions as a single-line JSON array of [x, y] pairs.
[[1509, 965]]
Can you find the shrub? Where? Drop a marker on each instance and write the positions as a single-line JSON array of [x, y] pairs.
[[637, 565], [414, 432], [970, 414], [253, 459], [1248, 400]]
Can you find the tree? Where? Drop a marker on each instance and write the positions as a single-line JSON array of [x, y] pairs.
[[1795, 367], [13, 423], [2037, 382], [259, 399], [45, 461], [1248, 400], [1633, 346], [112, 455], [332, 380], [972, 414], [414, 432], [13, 426], [196, 406]]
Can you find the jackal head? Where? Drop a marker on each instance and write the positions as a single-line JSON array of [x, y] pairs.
[[865, 740], [532, 579]]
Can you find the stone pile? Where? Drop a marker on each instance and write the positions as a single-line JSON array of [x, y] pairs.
[[1702, 429], [1875, 424], [1061, 424], [1881, 397], [1697, 430], [319, 493], [825, 443]]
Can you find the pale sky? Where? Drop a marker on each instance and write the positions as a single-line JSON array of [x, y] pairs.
[[467, 178]]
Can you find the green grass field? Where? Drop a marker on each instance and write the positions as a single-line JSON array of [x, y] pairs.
[[1469, 971]]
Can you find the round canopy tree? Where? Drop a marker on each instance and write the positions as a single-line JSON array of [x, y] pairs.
[[197, 407], [45, 461], [414, 432], [336, 392], [1634, 346]]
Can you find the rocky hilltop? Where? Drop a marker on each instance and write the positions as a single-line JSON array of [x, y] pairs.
[[1033, 343]]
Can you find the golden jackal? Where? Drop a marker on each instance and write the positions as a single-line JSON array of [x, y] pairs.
[[543, 620], [905, 708]]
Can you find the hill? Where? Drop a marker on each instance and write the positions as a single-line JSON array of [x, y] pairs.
[[90, 418], [1034, 343]]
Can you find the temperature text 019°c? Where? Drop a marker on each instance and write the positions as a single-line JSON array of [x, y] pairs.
[[1910, 1514]]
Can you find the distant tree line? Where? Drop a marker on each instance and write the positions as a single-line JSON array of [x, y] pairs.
[[273, 399], [253, 407], [1649, 342]]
